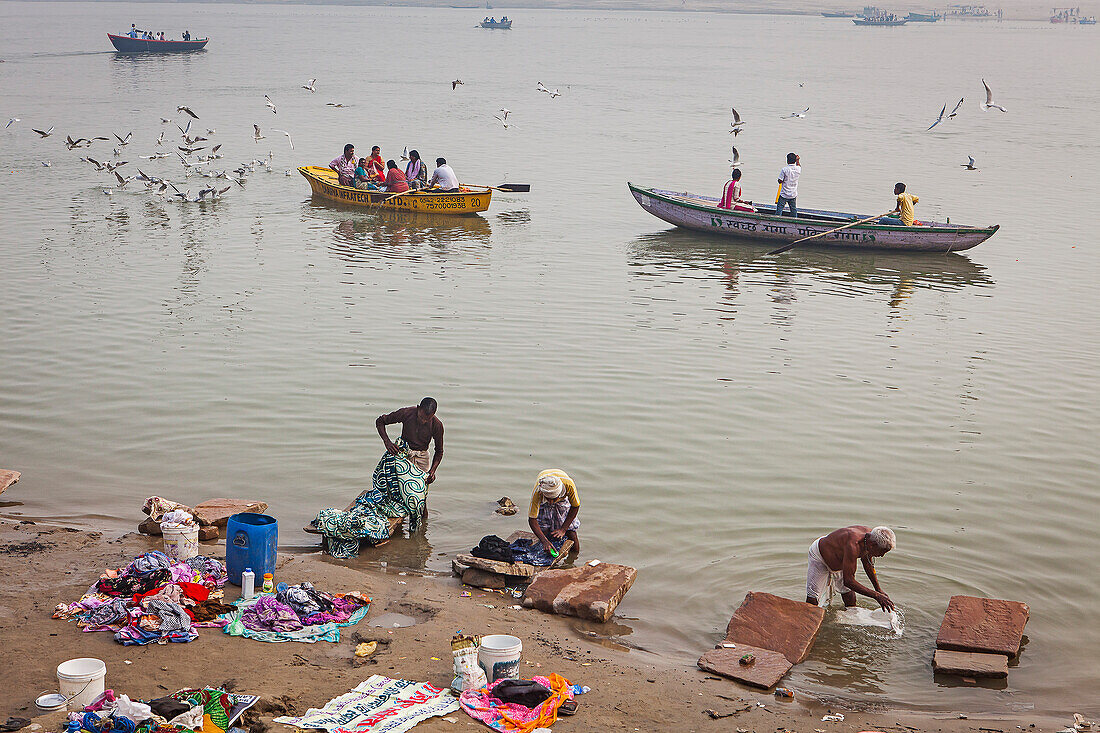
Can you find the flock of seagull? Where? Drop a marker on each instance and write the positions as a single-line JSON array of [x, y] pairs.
[[187, 151], [737, 126], [503, 116]]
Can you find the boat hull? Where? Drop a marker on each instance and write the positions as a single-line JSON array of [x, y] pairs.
[[503, 26], [884, 23], [125, 44], [324, 183], [702, 213]]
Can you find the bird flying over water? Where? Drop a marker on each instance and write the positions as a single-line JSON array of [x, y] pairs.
[[455, 83], [334, 104], [735, 161], [46, 133], [309, 86], [989, 104], [799, 115], [956, 110], [502, 120], [187, 110], [940, 118], [123, 140], [270, 104], [405, 153], [504, 111], [11, 122], [737, 121], [257, 135], [287, 136], [969, 165], [164, 120]]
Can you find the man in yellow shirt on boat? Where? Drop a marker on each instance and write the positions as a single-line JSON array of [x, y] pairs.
[[905, 210]]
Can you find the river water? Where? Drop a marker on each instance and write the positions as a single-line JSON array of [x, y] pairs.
[[719, 409]]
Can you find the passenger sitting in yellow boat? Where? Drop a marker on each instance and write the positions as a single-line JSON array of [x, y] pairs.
[[444, 179], [416, 173], [363, 179]]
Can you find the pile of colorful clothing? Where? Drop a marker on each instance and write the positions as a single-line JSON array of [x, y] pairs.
[[207, 710], [153, 600], [296, 613], [521, 709]]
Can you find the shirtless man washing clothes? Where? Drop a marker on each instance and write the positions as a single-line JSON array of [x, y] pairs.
[[832, 565]]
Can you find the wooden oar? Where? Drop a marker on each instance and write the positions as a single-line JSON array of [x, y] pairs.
[[391, 198], [507, 187], [785, 247]]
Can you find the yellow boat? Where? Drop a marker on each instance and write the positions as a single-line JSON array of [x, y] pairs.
[[325, 184]]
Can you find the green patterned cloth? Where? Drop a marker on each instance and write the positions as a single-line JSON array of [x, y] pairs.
[[220, 708], [399, 489]]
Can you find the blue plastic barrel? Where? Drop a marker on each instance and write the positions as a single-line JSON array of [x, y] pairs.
[[250, 542]]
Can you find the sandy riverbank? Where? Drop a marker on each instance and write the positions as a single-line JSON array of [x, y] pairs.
[[43, 565]]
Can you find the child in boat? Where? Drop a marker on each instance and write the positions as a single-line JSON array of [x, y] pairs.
[[906, 202], [554, 509]]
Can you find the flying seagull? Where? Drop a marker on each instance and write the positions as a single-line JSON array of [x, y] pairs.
[[257, 136], [940, 118], [956, 110], [503, 120], [989, 99], [455, 83], [736, 160], [505, 112], [309, 86], [123, 140], [164, 120], [799, 115], [334, 104], [160, 140], [405, 153], [970, 164], [270, 105], [187, 110], [12, 121], [737, 121], [287, 136], [47, 133]]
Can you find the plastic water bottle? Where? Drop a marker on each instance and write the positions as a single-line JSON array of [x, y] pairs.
[[248, 583]]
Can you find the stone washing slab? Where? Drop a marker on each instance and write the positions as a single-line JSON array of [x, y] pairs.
[[585, 592], [7, 478], [218, 511], [780, 624], [764, 673], [970, 664], [985, 625]]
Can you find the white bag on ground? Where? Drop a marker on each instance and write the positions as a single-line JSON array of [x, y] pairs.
[[468, 673]]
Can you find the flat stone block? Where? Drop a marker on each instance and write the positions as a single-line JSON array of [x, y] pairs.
[[208, 533], [585, 592], [764, 673], [218, 511], [150, 527], [985, 625], [970, 664], [780, 624], [7, 478], [478, 578]]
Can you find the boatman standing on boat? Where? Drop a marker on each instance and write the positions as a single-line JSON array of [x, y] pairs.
[[832, 565], [419, 427], [345, 166], [788, 180], [906, 202]]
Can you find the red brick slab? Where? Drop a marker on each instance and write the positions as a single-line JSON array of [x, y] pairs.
[[970, 664], [984, 625], [764, 673], [585, 592], [218, 511], [770, 622], [7, 478]]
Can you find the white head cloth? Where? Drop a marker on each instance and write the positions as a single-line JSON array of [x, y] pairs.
[[551, 487]]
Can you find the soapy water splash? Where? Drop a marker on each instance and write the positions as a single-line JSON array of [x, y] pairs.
[[871, 617]]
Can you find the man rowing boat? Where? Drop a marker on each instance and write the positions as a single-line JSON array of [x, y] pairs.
[[832, 565], [906, 202]]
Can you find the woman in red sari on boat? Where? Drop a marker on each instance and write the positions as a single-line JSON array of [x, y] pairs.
[[731, 195], [376, 167]]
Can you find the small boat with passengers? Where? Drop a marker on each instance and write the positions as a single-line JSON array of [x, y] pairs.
[[325, 184], [884, 20], [760, 223], [126, 44], [504, 23]]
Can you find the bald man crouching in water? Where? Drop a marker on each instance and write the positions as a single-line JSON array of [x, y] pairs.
[[832, 565]]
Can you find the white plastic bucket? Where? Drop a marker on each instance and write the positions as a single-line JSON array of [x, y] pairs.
[[81, 681], [180, 543], [499, 656]]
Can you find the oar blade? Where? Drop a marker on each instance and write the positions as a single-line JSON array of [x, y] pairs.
[[515, 187]]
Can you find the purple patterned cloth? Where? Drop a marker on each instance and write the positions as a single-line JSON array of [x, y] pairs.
[[342, 610], [270, 614]]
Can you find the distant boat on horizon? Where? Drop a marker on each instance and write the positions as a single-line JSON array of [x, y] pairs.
[[126, 44], [840, 14]]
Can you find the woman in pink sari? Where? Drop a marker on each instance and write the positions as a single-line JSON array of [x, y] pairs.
[[732, 193]]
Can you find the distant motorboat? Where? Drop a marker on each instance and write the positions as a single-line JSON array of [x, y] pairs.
[[883, 21], [126, 44], [923, 17], [503, 23]]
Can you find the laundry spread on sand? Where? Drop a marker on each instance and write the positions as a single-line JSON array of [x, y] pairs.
[[219, 708], [295, 613], [399, 489], [153, 599], [482, 705], [206, 710], [378, 705]]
